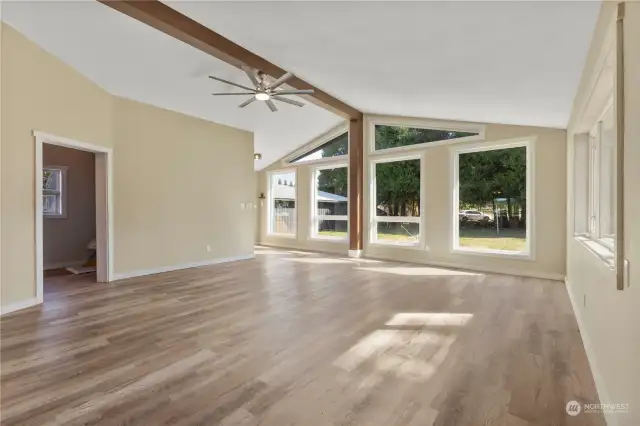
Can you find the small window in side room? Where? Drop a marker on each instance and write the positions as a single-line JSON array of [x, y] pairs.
[[54, 180], [282, 204]]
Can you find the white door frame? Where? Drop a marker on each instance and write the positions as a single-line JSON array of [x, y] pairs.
[[104, 205]]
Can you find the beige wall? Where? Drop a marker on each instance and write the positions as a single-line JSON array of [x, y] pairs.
[[550, 214], [65, 239], [177, 185], [39, 92], [609, 318]]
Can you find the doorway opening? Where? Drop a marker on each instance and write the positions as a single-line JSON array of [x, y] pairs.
[[73, 213]]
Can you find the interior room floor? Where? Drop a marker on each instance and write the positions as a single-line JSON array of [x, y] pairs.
[[295, 338]]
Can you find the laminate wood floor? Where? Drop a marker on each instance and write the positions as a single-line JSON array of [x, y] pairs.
[[294, 338]]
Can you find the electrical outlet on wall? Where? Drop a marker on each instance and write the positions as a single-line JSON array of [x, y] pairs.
[[209, 248]]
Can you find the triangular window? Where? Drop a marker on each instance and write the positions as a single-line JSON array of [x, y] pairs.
[[333, 148]]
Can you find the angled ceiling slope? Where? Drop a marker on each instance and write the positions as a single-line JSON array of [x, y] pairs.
[[132, 60], [501, 62]]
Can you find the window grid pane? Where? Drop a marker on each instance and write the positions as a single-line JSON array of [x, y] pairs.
[[51, 204], [397, 202], [283, 218], [332, 199], [606, 202], [398, 232]]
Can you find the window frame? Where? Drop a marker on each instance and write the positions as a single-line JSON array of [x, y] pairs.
[[61, 193], [603, 246], [391, 157], [270, 200], [319, 141], [313, 216], [602, 96], [421, 124], [526, 142], [594, 186]]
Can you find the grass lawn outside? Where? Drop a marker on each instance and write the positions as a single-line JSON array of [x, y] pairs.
[[381, 236], [485, 238], [481, 238], [339, 234]]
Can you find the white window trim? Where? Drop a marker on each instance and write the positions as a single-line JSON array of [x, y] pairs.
[[62, 192], [314, 218], [270, 200], [603, 246], [420, 123], [316, 142], [373, 208], [529, 144]]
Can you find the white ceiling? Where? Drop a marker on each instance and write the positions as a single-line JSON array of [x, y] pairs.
[[135, 61], [504, 62]]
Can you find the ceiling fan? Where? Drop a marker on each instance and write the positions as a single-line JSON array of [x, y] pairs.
[[264, 91]]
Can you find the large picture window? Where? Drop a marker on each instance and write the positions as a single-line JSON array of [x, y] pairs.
[[330, 203], [282, 203], [492, 202], [396, 191]]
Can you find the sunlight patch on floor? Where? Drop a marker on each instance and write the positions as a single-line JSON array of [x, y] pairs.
[[419, 271], [429, 319], [317, 260], [411, 354]]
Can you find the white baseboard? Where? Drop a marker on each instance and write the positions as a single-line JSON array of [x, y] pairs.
[[19, 305], [588, 348], [514, 272], [61, 265], [160, 270], [355, 253]]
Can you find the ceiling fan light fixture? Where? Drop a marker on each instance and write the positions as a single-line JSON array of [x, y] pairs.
[[262, 96]]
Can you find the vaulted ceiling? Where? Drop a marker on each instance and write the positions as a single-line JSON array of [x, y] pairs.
[[503, 62]]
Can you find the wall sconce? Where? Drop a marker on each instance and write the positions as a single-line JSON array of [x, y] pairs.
[[257, 156], [262, 198]]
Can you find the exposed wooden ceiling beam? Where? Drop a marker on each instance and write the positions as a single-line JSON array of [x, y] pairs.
[[163, 18]]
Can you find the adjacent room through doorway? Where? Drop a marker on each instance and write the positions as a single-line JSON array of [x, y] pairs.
[[69, 216]]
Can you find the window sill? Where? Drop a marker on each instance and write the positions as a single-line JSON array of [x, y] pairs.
[[288, 236], [54, 216], [329, 240], [599, 249], [493, 253], [410, 246]]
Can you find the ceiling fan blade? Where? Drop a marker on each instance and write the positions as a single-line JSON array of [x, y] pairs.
[[288, 101], [247, 102], [294, 92], [281, 80], [231, 83], [271, 105], [233, 94], [251, 75]]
